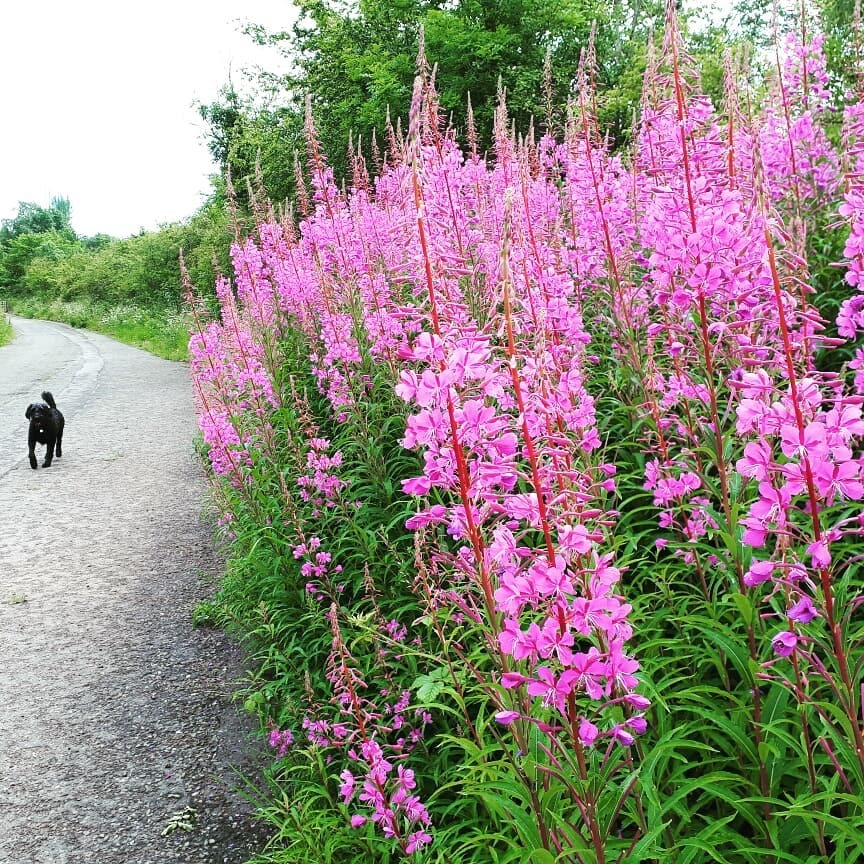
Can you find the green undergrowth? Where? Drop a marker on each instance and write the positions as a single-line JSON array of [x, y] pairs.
[[163, 332], [6, 332]]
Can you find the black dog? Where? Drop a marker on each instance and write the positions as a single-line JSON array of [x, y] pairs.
[[46, 427]]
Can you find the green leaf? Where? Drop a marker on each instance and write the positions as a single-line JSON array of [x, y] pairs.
[[429, 687], [745, 607], [541, 856]]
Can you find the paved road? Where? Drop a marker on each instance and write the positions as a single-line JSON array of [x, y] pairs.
[[114, 712], [44, 356]]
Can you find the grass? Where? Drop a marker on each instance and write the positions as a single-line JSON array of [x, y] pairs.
[[6, 331], [162, 332]]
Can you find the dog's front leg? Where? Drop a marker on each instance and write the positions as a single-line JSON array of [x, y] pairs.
[[31, 450], [49, 453]]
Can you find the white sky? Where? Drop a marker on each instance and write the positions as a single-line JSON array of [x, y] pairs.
[[98, 101]]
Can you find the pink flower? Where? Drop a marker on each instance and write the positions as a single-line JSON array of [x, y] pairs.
[[577, 538], [846, 420], [784, 643], [416, 841], [620, 669], [803, 611], [832, 478], [435, 513], [638, 724], [416, 485], [514, 592], [509, 680], [622, 735], [759, 572], [819, 554], [803, 444], [750, 413], [550, 580], [554, 690], [346, 789], [756, 462], [591, 671], [555, 640], [407, 386], [520, 644], [588, 732]]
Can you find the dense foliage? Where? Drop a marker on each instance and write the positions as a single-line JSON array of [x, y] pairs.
[[543, 509], [129, 288], [355, 62], [36, 232]]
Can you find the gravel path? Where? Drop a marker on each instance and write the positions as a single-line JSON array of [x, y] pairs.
[[115, 713]]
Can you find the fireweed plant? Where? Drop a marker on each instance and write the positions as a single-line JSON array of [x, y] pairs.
[[543, 518]]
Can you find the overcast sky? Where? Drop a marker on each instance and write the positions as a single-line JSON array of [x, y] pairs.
[[98, 103]]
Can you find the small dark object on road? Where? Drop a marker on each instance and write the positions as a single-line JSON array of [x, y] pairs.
[[46, 427]]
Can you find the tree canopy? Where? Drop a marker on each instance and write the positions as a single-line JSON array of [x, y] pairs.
[[34, 219], [357, 61], [36, 232]]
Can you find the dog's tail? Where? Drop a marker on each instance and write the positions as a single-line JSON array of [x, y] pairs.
[[49, 399]]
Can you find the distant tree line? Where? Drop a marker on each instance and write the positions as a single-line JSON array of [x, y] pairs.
[[41, 256]]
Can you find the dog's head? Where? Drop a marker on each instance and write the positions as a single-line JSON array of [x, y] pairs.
[[37, 412]]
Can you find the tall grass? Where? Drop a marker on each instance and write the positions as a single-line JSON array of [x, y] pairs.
[[163, 332], [542, 509]]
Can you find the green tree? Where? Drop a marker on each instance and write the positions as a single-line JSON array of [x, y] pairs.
[[33, 219], [241, 135], [845, 42], [357, 60], [36, 232], [142, 271], [758, 20]]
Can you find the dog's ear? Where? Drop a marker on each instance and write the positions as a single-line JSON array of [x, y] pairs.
[[30, 409]]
